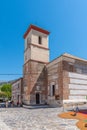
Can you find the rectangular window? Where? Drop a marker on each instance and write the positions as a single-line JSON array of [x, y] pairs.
[[53, 87], [18, 85], [39, 40]]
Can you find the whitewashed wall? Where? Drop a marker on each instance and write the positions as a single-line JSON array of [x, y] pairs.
[[78, 81], [77, 97], [78, 92], [78, 76], [77, 86]]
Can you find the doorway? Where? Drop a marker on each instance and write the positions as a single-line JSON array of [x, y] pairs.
[[37, 98]]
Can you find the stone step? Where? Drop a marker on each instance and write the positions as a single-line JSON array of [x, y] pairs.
[[35, 106]]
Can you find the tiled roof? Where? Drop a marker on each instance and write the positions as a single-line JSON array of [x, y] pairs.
[[35, 28]]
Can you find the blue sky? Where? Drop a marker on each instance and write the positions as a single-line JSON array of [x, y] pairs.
[[65, 19]]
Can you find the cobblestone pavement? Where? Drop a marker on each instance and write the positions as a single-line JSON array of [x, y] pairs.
[[34, 119]]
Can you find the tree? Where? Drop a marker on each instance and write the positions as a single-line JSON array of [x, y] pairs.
[[2, 94], [6, 88]]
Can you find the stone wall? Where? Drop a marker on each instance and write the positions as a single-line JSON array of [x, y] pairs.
[[17, 89], [55, 74], [35, 80], [39, 54]]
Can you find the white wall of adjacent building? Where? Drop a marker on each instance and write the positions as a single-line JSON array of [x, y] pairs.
[[77, 86]]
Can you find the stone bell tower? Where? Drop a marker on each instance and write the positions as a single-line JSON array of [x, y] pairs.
[[36, 56]]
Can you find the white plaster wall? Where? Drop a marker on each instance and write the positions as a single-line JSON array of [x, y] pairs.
[[78, 81], [77, 97], [75, 86], [78, 76], [78, 92]]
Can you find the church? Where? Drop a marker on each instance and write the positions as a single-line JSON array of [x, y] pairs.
[[45, 82]]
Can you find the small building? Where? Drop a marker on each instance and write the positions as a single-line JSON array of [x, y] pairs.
[[17, 87]]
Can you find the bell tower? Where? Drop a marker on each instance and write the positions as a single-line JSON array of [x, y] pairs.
[[36, 56]]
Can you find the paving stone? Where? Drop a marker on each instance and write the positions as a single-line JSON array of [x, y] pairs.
[[34, 119]]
